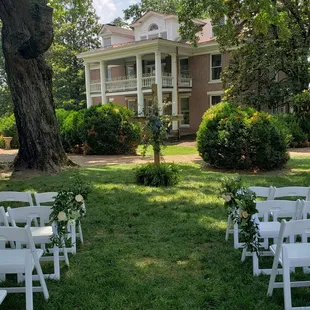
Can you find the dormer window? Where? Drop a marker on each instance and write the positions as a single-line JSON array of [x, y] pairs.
[[153, 27]]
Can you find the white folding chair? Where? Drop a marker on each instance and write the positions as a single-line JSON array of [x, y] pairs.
[[290, 255], [3, 294], [41, 235], [261, 192], [48, 197], [292, 191], [23, 261], [271, 209]]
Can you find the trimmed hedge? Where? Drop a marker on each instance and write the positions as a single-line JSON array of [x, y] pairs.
[[8, 129], [232, 137], [106, 130]]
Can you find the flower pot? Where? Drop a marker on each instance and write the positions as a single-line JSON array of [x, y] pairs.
[[7, 141]]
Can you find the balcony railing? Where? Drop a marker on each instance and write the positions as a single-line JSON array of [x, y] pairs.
[[128, 83]]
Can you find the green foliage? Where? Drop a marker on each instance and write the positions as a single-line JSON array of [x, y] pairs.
[[75, 31], [241, 138], [291, 124], [270, 37], [136, 10], [241, 206], [68, 208], [106, 130], [156, 176], [8, 129], [119, 22]]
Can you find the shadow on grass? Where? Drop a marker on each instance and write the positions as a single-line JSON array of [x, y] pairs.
[[154, 248]]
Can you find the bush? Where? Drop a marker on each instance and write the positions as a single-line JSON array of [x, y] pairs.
[[241, 138], [8, 129], [292, 126], [106, 130], [162, 175]]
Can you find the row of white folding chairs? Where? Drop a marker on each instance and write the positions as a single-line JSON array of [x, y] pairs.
[[42, 198], [290, 254], [22, 258], [268, 193]]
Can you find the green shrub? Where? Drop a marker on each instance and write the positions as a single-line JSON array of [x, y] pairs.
[[106, 130], [292, 126], [162, 175], [8, 129], [241, 138], [109, 130]]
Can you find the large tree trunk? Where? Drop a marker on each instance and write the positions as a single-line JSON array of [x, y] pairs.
[[27, 34]]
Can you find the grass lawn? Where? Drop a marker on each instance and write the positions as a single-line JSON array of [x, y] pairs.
[[157, 248], [171, 150]]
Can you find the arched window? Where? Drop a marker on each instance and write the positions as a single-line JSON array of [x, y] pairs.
[[153, 27]]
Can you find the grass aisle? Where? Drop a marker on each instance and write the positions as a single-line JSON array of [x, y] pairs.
[[162, 249]]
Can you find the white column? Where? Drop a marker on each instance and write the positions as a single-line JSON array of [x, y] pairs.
[[158, 80], [87, 84], [103, 76], [174, 74], [139, 85]]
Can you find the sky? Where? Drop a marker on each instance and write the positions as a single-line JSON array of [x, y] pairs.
[[107, 10]]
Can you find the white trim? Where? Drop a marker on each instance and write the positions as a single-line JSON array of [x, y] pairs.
[[214, 81], [214, 95], [215, 92]]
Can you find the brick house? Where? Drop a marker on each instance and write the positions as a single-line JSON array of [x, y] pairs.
[[130, 61]]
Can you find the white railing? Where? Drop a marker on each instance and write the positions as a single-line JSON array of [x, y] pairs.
[[148, 80], [95, 86], [185, 81], [126, 83]]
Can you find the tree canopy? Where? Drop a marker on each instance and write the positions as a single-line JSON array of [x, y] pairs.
[[75, 30], [136, 10], [271, 41]]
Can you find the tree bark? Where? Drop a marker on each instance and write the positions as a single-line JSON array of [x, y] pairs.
[[27, 34]]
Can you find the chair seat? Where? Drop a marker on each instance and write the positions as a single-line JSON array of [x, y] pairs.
[[298, 254], [269, 229], [13, 261], [2, 295], [37, 232]]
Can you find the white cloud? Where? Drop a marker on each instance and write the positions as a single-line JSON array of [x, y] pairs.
[[107, 10]]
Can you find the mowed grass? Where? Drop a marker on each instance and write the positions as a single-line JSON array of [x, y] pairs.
[[171, 150], [157, 248]]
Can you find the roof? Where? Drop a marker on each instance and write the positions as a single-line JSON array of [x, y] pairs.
[[118, 30]]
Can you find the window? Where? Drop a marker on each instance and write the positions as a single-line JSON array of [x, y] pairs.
[[143, 38], [153, 27], [109, 73], [184, 109], [107, 42], [216, 67], [163, 35], [132, 105], [215, 99], [130, 69], [184, 66]]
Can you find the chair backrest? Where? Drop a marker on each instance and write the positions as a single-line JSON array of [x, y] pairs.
[[292, 191], [278, 209], [29, 214], [3, 217], [17, 196], [44, 197], [264, 192], [16, 234]]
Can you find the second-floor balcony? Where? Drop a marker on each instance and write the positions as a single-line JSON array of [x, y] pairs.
[[129, 83]]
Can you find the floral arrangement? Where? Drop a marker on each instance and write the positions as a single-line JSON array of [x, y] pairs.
[[68, 209], [241, 206]]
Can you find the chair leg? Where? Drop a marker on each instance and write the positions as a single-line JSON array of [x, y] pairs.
[[227, 228], [256, 270], [65, 253], [56, 263], [243, 256], [236, 236], [81, 233], [286, 282], [28, 276], [73, 238]]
